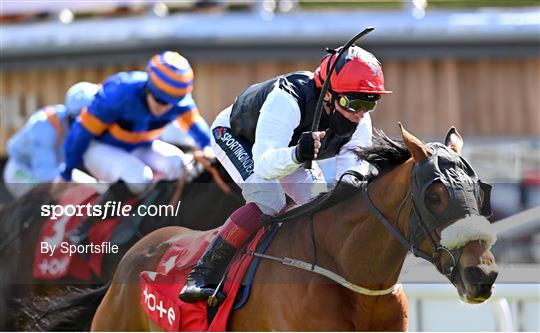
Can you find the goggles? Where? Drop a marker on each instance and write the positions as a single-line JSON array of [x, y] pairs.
[[356, 105]]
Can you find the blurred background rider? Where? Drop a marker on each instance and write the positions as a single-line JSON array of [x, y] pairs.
[[116, 136], [36, 151]]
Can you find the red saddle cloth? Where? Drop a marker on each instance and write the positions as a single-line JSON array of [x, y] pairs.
[[160, 289], [61, 264]]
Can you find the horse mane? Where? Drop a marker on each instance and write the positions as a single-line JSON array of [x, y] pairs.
[[385, 153]]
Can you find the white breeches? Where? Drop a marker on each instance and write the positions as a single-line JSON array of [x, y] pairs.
[[137, 168]]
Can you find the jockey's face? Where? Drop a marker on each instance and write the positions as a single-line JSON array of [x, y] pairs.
[[355, 117], [157, 108]]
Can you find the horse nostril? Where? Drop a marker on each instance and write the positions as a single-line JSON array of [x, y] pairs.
[[478, 276], [474, 274], [490, 278]]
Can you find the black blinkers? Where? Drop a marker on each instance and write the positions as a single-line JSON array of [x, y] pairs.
[[467, 194]]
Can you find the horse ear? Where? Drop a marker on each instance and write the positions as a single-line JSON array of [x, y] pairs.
[[453, 140], [417, 148]]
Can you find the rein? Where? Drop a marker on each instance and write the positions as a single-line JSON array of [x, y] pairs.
[[199, 158], [313, 267], [393, 230], [435, 258], [439, 249]]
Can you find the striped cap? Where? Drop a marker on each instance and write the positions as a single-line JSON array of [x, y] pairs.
[[170, 76]]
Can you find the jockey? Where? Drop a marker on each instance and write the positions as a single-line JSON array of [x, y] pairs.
[[35, 152], [264, 137], [116, 136]]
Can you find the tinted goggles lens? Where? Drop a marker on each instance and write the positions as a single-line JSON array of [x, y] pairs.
[[355, 105]]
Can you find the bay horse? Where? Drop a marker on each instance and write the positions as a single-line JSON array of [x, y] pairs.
[[21, 224], [420, 201]]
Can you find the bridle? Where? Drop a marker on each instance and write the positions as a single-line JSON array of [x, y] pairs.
[[445, 267], [438, 249], [423, 175]]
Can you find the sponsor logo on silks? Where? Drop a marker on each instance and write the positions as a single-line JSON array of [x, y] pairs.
[[218, 132], [162, 310], [55, 267], [237, 153]]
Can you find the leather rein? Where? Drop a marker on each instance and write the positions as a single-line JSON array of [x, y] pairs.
[[393, 230]]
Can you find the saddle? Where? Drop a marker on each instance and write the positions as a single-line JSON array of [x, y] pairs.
[[160, 288]]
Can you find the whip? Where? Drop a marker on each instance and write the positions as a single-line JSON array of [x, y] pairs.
[[318, 108]]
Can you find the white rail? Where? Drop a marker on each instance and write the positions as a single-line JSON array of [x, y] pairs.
[[506, 305]]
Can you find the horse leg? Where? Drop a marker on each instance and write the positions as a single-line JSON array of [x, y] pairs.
[[120, 309]]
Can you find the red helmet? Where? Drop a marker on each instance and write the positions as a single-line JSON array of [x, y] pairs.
[[356, 71]]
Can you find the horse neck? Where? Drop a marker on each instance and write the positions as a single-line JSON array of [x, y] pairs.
[[360, 247]]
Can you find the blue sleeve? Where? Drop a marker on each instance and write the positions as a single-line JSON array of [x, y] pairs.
[[76, 144], [44, 144], [92, 123], [200, 132], [108, 102], [191, 121]]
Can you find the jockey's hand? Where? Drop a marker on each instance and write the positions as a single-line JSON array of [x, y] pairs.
[[308, 146], [208, 153]]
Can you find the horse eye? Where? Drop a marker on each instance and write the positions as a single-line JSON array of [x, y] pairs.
[[433, 199]]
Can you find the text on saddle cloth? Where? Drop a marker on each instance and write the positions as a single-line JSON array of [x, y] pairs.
[[160, 289]]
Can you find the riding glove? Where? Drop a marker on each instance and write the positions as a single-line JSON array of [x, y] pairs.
[[305, 149]]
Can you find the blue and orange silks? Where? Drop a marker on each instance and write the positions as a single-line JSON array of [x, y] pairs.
[[119, 116]]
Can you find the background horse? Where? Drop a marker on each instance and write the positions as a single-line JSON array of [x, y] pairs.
[[359, 239], [21, 224]]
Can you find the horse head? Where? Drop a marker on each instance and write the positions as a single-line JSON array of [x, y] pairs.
[[448, 222]]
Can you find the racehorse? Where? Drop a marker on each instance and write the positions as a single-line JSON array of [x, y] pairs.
[[420, 201], [21, 224]]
